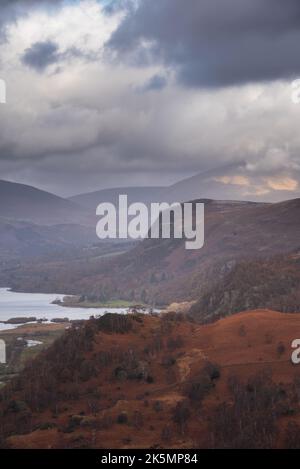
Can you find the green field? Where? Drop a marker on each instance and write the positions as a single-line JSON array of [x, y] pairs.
[[103, 304]]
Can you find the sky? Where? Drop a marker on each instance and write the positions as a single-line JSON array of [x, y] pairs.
[[148, 92]]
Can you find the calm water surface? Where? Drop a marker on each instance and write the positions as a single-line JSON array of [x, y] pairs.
[[39, 305]]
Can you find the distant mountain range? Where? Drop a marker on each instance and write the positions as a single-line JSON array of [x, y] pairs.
[[200, 186], [35, 222], [225, 183], [144, 195], [26, 203]]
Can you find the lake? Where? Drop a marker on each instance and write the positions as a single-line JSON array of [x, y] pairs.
[[39, 305]]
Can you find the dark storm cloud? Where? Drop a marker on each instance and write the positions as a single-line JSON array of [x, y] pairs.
[[213, 42], [40, 55]]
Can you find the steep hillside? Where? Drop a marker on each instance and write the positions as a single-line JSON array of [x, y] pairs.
[[272, 283], [143, 381]]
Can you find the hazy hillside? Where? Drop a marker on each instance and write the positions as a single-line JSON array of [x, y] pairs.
[[224, 183], [21, 202], [151, 382], [203, 185], [20, 239], [34, 222], [135, 194]]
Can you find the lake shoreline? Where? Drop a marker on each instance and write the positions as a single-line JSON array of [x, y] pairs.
[[42, 307], [72, 300]]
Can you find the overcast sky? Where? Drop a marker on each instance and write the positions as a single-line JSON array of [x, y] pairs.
[[130, 92]]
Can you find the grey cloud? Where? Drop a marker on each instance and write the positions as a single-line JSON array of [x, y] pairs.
[[115, 138], [40, 55], [110, 7], [213, 42], [43, 54], [91, 129], [12, 9], [155, 83]]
